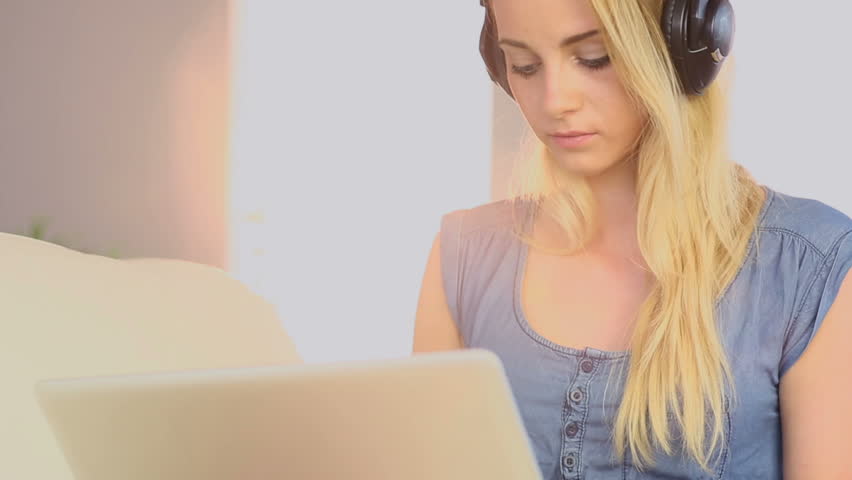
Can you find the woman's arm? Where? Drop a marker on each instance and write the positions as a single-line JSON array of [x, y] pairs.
[[816, 400], [434, 328]]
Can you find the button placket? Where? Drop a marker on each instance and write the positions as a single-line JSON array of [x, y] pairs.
[[576, 399]]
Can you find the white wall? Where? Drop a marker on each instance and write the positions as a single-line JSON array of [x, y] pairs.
[[356, 125], [792, 102], [112, 124]]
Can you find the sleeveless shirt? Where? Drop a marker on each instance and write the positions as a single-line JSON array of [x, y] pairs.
[[796, 260]]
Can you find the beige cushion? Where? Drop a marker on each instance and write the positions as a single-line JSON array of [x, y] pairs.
[[67, 314]]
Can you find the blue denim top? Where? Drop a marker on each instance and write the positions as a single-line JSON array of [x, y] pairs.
[[797, 258]]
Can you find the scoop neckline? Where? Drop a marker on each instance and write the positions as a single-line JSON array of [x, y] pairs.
[[591, 352]]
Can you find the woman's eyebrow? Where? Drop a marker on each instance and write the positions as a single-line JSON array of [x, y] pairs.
[[565, 42]]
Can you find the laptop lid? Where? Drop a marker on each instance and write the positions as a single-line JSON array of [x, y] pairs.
[[440, 415]]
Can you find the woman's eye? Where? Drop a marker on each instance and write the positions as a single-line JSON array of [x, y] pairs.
[[592, 64], [595, 63], [525, 71]]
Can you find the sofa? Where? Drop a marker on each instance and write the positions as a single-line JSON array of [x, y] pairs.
[[70, 314]]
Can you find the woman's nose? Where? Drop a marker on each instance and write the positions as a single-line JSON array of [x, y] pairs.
[[562, 91]]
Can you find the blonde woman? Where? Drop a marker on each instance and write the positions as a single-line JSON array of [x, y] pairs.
[[660, 314]]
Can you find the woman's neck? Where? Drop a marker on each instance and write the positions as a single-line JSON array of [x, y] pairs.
[[615, 195]]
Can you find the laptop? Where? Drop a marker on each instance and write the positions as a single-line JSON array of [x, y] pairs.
[[438, 415]]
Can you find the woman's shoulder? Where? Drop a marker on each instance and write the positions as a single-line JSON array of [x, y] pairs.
[[815, 223], [806, 245], [497, 214]]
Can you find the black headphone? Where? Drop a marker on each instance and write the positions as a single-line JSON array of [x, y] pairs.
[[699, 35]]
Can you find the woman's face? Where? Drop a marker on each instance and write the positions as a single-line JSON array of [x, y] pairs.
[[567, 86]]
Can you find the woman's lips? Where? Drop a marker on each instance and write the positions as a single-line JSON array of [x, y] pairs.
[[573, 140]]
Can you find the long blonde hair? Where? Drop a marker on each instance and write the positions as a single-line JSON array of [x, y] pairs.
[[696, 213]]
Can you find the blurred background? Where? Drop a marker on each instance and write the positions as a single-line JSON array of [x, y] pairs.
[[310, 148]]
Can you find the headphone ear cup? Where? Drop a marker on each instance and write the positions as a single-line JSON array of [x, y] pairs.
[[666, 21], [492, 55], [721, 28], [674, 29], [712, 31]]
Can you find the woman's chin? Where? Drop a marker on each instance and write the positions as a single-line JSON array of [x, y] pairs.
[[583, 165], [588, 164]]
